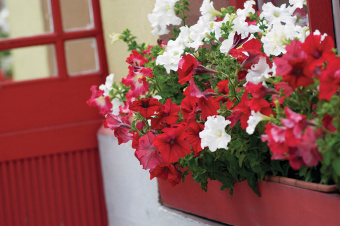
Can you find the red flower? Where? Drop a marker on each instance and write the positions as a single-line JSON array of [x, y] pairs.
[[121, 127], [167, 116], [146, 153], [172, 144], [97, 99], [330, 80], [136, 60], [318, 48], [287, 90], [259, 91], [166, 172], [186, 68], [146, 107], [189, 108], [327, 123], [293, 66], [136, 80], [223, 87], [193, 138], [308, 148], [295, 124], [275, 135]]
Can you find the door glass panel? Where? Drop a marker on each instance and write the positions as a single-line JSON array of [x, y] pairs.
[[81, 56], [76, 14], [27, 63], [24, 18]]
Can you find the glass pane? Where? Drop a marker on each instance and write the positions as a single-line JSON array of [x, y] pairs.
[[27, 63], [81, 56], [76, 14], [24, 18], [336, 14]]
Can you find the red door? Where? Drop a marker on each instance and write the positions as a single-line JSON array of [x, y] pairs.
[[49, 164]]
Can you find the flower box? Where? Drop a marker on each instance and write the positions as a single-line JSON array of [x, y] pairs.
[[279, 204]]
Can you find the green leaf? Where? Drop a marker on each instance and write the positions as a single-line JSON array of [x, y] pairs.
[[336, 166], [240, 160]]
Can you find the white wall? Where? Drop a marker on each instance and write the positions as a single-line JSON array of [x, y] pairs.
[[131, 198]]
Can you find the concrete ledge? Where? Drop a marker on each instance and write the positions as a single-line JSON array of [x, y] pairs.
[[131, 198]]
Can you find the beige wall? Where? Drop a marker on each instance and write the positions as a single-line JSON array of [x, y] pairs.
[[117, 16]]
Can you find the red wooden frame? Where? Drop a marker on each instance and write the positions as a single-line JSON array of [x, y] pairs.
[[30, 109], [49, 162], [320, 14]]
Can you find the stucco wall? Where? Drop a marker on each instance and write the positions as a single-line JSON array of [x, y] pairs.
[[117, 16]]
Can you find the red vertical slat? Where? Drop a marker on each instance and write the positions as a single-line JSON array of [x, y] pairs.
[[37, 203], [8, 205], [2, 202], [5, 188], [99, 187], [67, 198], [14, 194], [79, 169], [31, 211], [22, 191], [320, 16], [53, 196], [72, 180], [56, 183], [87, 188], [95, 193], [48, 208]]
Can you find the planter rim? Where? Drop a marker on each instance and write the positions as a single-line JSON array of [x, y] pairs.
[[302, 184]]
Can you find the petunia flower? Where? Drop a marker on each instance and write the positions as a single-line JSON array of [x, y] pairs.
[[147, 153], [167, 116], [253, 120], [186, 68], [172, 144], [98, 99], [208, 11], [166, 172], [163, 15], [213, 135], [146, 107]]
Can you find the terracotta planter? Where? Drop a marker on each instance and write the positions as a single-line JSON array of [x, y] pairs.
[[279, 204]]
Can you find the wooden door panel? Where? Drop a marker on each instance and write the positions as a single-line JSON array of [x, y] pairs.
[[60, 189]]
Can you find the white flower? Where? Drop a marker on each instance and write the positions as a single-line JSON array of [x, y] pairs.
[[275, 41], [275, 14], [171, 56], [253, 120], [162, 15], [240, 24], [115, 37], [116, 103], [107, 87], [298, 3], [208, 11], [248, 9], [4, 27], [214, 136], [227, 43], [259, 72]]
